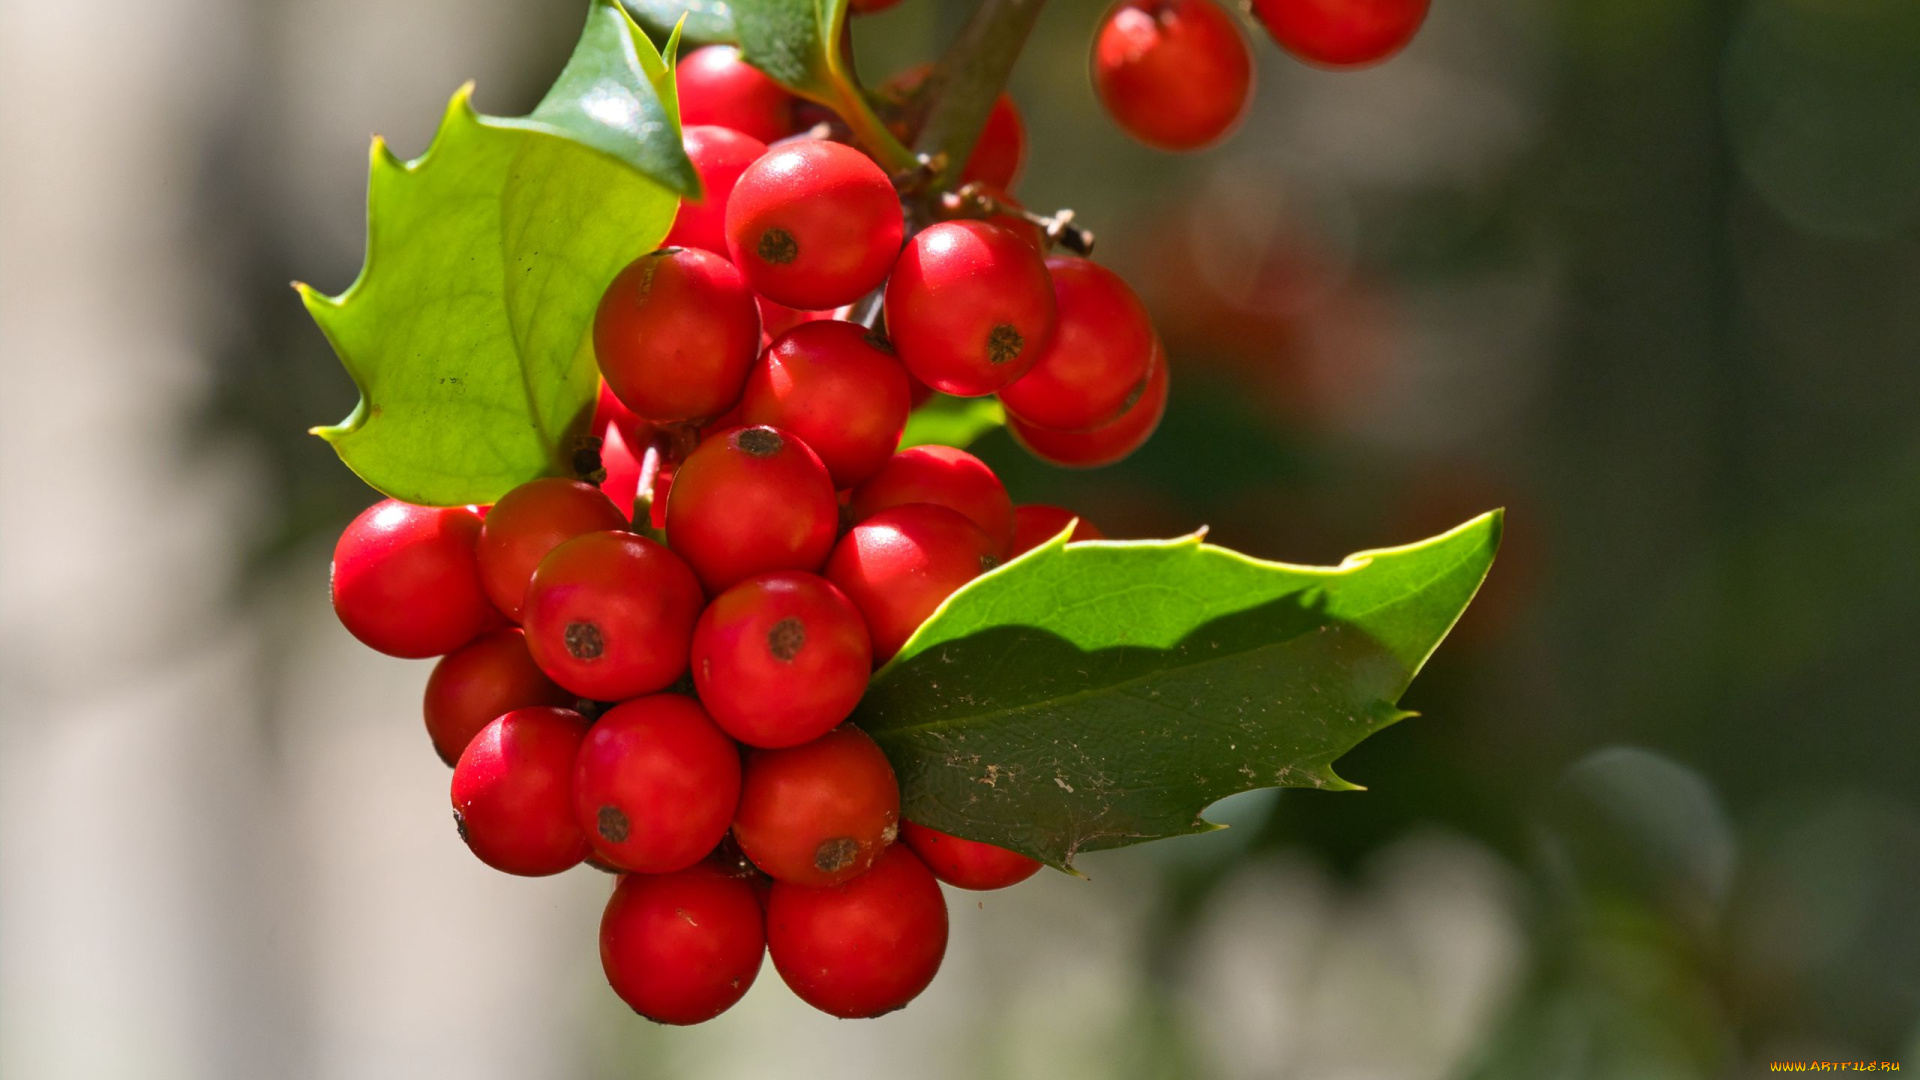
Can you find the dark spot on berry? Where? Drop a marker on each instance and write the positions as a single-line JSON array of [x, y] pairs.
[[1004, 343], [583, 641], [836, 854], [786, 638], [759, 441], [460, 826], [778, 246], [613, 825], [988, 562]]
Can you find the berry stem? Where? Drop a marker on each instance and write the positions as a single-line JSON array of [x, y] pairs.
[[967, 79]]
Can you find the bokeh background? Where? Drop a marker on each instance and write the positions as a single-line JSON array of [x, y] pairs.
[[1645, 272]]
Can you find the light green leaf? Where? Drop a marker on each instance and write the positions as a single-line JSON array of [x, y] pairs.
[[952, 421], [1104, 694], [467, 331]]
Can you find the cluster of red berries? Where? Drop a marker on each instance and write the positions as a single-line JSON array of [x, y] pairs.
[[741, 811], [741, 317], [1178, 74], [667, 698]]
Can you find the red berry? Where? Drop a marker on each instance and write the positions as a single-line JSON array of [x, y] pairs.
[[655, 785], [1037, 523], [1175, 74], [967, 864], [610, 615], [717, 87], [1341, 33], [837, 386], [945, 476], [969, 307], [780, 659], [683, 947], [1098, 360], [1001, 149], [814, 225], [751, 500], [818, 813], [900, 564], [406, 581], [675, 333], [530, 521], [719, 156], [1107, 443], [513, 792], [863, 948], [871, 7], [469, 687]]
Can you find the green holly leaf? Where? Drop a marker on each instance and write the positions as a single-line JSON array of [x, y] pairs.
[[1104, 694], [467, 331], [701, 22], [952, 421]]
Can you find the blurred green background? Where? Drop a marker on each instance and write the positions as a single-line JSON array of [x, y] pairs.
[[1645, 272]]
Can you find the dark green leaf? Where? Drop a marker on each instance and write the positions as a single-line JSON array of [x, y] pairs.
[[1104, 694], [467, 329], [708, 22]]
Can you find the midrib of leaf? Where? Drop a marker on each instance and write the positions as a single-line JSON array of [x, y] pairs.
[[1122, 686]]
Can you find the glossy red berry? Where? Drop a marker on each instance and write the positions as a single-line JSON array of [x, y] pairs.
[[675, 333], [1098, 360], [818, 813], [1002, 148], [863, 948], [945, 476], [610, 615], [1107, 443], [719, 88], [530, 521], [967, 864], [814, 225], [655, 785], [900, 564], [682, 948], [1037, 523], [837, 386], [719, 156], [781, 658], [1341, 33], [751, 500], [969, 307], [1175, 74], [513, 792], [474, 684], [406, 581]]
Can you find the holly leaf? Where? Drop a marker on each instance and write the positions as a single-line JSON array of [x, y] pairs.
[[952, 421], [467, 331], [1101, 694], [701, 22]]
